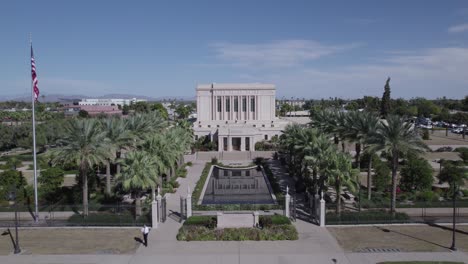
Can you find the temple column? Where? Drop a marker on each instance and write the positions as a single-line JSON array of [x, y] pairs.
[[223, 108], [242, 146], [220, 143], [252, 144], [248, 107], [229, 143]]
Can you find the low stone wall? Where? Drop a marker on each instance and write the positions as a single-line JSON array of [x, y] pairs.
[[232, 155], [237, 220]]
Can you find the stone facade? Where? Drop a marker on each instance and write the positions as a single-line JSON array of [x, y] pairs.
[[237, 115]]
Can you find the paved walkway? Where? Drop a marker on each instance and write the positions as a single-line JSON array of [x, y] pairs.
[[315, 245]]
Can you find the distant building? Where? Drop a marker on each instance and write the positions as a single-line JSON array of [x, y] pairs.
[[93, 110], [237, 115], [110, 102], [292, 102]]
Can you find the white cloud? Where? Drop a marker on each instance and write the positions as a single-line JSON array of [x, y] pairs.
[[458, 28], [284, 53], [429, 73]]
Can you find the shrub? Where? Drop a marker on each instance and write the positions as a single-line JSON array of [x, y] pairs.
[[366, 217], [174, 183], [214, 160], [427, 196], [181, 172], [190, 164], [382, 175], [425, 134], [463, 152], [416, 174], [202, 220], [201, 233], [270, 220], [444, 149]]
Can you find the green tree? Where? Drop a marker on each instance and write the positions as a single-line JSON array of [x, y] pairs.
[[13, 163], [85, 145], [161, 109], [83, 114], [50, 180], [386, 101], [341, 173], [382, 174], [125, 109], [121, 138], [183, 111], [398, 139], [416, 174], [11, 179], [139, 173], [360, 128], [141, 107], [455, 175]]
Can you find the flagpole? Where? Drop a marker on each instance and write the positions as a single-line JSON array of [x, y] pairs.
[[33, 99]]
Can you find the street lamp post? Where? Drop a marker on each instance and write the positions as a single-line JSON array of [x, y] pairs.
[[12, 197], [453, 248]]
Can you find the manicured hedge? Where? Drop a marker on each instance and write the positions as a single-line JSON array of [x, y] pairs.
[[105, 219], [202, 220], [366, 217], [270, 220]]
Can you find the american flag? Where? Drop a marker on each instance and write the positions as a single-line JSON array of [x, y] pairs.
[[34, 76]]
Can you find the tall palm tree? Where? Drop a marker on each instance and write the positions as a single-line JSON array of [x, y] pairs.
[[139, 173], [85, 145], [288, 142], [332, 123], [341, 173], [121, 138], [360, 128], [398, 139]]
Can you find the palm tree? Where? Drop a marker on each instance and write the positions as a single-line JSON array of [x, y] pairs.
[[121, 138], [331, 122], [85, 145], [139, 173], [360, 128], [341, 173], [398, 139], [288, 142]]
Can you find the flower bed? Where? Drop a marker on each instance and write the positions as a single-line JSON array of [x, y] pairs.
[[203, 228]]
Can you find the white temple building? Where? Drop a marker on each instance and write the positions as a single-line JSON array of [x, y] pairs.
[[237, 115]]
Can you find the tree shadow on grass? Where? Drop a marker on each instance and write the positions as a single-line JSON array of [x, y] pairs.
[[413, 237], [446, 228]]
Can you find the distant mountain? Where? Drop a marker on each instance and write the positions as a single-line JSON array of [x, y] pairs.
[[63, 97]]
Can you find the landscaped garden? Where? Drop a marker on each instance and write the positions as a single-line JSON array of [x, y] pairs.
[[116, 162], [271, 227]]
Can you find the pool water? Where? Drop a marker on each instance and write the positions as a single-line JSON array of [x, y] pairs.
[[237, 186]]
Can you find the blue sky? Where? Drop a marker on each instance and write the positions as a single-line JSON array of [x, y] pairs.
[[310, 49]]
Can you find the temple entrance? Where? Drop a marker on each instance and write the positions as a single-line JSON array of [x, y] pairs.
[[236, 143]]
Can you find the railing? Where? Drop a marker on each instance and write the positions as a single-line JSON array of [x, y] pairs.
[[71, 215]]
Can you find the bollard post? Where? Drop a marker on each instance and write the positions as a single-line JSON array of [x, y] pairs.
[[286, 203], [322, 211], [154, 214], [158, 205], [188, 202]]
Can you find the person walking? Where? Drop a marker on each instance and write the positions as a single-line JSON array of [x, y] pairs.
[[145, 230]]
